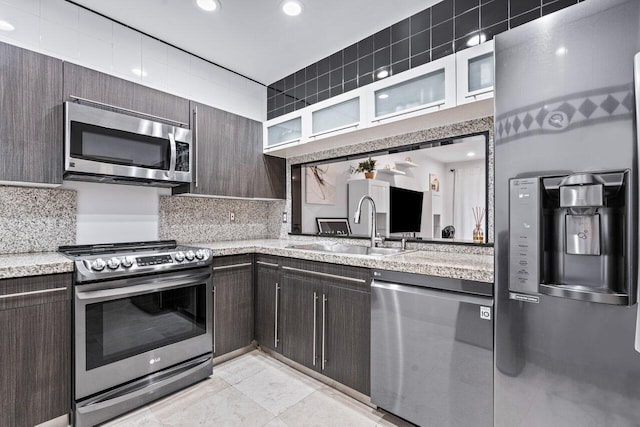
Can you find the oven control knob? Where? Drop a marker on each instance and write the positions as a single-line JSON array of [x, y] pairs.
[[113, 263], [190, 255], [98, 264], [201, 254], [179, 256], [127, 261]]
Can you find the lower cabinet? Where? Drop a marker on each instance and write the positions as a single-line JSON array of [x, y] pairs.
[[325, 320], [267, 294], [35, 349], [232, 303]]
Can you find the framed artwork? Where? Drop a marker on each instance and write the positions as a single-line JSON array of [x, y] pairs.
[[321, 184], [434, 182], [333, 226]]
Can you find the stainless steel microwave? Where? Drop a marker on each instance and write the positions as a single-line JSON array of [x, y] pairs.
[[108, 146]]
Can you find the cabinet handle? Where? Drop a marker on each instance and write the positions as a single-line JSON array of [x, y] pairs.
[[269, 264], [333, 276], [24, 294], [194, 133], [214, 318], [227, 267], [275, 320], [315, 312], [324, 327]]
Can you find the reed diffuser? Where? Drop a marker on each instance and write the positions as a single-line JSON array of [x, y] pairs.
[[478, 216]]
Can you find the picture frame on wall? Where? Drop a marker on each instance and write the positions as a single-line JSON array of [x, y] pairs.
[[434, 182]]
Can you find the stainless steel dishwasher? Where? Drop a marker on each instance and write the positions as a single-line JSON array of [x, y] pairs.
[[432, 349]]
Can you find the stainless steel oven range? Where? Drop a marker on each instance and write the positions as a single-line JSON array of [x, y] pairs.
[[141, 325]]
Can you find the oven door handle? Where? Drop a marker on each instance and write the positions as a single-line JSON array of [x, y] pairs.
[[130, 291]]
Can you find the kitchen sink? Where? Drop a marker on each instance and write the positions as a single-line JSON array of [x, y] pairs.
[[348, 249]]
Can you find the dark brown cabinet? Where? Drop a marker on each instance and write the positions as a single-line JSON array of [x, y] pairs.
[[31, 120], [229, 159], [325, 314], [35, 352], [267, 299], [96, 86], [232, 303]]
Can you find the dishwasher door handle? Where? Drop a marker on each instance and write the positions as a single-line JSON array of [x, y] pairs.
[[430, 292]]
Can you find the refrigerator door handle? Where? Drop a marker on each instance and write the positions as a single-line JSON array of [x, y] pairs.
[[636, 80]]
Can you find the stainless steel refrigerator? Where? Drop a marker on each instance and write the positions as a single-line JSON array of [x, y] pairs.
[[566, 205]]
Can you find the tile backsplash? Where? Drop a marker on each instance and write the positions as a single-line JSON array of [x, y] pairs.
[[36, 219], [205, 219]]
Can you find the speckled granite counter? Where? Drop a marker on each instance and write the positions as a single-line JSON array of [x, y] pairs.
[[33, 264], [433, 263]]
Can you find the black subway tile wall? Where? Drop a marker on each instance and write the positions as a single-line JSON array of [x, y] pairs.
[[438, 31]]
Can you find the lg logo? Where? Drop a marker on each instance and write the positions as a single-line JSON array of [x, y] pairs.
[[485, 313], [155, 360]]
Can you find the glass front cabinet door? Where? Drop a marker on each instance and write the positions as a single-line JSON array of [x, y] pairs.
[[475, 71], [425, 89], [336, 115], [286, 130]]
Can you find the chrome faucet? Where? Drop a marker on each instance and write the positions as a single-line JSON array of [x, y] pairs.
[[374, 230]]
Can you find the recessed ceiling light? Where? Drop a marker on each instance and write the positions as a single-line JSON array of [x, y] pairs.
[[471, 154], [5, 26], [383, 96], [382, 74], [139, 72], [208, 5], [561, 51], [292, 7], [477, 39]]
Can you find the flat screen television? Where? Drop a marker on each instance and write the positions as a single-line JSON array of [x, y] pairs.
[[405, 210]]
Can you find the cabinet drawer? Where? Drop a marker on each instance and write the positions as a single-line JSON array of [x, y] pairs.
[[232, 261], [341, 275], [27, 291]]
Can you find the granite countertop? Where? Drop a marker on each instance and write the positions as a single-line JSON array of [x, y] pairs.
[[33, 264], [433, 263]]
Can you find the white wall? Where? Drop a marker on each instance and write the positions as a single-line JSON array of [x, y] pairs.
[[62, 30], [448, 196], [110, 213]]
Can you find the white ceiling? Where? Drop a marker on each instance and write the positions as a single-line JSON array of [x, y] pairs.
[[458, 152], [254, 37]]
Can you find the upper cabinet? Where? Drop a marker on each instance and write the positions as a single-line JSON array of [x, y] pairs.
[[30, 117], [229, 159], [340, 114], [475, 73], [99, 87], [430, 87], [457, 79], [288, 130]]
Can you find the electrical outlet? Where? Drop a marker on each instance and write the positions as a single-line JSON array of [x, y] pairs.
[[284, 217], [232, 216]]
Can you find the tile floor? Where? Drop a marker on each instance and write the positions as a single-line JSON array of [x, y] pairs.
[[257, 390]]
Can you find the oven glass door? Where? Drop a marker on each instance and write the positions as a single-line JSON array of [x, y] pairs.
[[122, 328], [104, 145]]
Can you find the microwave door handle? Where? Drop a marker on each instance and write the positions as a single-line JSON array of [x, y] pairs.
[[172, 161]]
